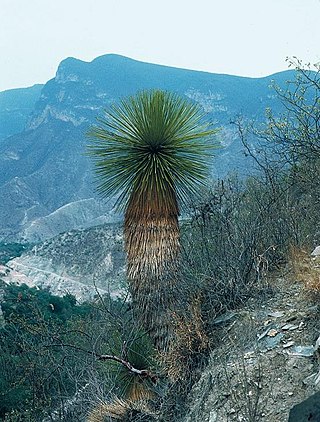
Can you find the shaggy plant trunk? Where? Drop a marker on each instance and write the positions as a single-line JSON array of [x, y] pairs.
[[152, 244]]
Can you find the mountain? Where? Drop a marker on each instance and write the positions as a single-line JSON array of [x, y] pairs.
[[44, 174], [15, 107]]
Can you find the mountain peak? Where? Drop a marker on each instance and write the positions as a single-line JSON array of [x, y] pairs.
[[113, 58], [69, 68]]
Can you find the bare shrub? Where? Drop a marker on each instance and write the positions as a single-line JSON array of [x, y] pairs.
[[235, 236], [245, 387], [190, 341]]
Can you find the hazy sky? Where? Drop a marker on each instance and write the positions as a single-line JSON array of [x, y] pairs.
[[240, 37]]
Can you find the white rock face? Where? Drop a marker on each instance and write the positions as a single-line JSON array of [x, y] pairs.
[[61, 77], [209, 101], [63, 115], [39, 272], [316, 252], [84, 263], [11, 155]]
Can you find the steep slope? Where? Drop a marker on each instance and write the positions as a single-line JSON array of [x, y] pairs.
[[15, 107], [45, 168], [80, 262], [265, 361]]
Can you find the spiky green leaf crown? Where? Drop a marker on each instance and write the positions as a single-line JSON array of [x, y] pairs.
[[154, 144]]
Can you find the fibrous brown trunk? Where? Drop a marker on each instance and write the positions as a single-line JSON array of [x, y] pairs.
[[152, 245]]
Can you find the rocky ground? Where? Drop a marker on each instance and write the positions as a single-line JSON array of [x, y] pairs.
[[266, 361]]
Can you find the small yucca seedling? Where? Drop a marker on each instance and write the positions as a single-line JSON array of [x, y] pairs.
[[131, 386], [134, 391]]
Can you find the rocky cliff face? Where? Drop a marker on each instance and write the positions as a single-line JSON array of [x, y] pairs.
[[44, 168]]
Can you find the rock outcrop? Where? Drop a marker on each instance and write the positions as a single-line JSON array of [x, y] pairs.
[[307, 411]]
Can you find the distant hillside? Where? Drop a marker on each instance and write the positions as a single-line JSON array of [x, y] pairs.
[[77, 262], [44, 168], [15, 108]]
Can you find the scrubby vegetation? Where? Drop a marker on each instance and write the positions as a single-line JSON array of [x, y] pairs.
[[66, 361], [58, 357], [32, 372], [11, 250]]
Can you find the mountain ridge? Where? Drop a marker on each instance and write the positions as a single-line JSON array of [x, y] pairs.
[[44, 167], [125, 59]]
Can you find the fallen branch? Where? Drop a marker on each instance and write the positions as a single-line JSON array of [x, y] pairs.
[[141, 372], [144, 373]]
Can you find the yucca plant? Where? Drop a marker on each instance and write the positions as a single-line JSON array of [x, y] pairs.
[[134, 392], [140, 353], [151, 151]]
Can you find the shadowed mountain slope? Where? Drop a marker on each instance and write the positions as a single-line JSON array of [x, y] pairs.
[[15, 108]]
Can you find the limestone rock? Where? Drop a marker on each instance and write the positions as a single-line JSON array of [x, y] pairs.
[[316, 252]]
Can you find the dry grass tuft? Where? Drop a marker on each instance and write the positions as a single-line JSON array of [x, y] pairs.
[[306, 269], [119, 409], [111, 411], [190, 339]]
